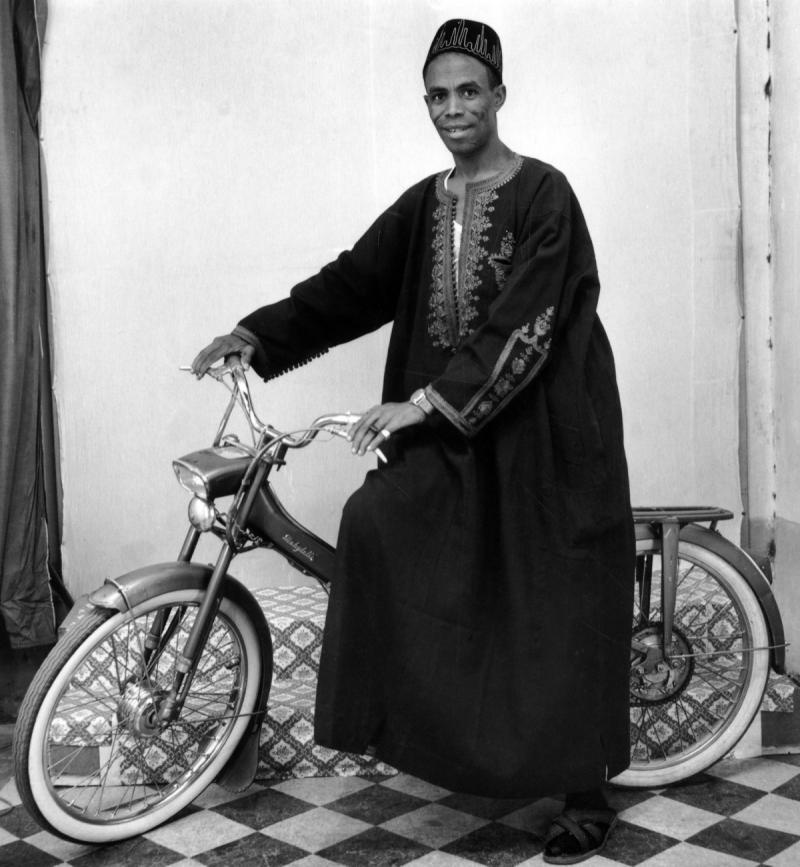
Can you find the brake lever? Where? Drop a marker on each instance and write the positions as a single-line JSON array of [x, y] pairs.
[[341, 425], [214, 372]]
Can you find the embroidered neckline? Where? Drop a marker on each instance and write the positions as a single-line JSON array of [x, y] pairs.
[[444, 195], [458, 288]]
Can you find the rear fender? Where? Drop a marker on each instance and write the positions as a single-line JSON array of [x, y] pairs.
[[744, 564], [135, 587]]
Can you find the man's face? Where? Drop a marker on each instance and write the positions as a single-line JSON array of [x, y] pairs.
[[461, 103]]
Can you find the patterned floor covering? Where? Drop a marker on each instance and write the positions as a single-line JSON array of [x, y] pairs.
[[742, 812]]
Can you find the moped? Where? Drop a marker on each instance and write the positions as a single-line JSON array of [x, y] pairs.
[[160, 681]]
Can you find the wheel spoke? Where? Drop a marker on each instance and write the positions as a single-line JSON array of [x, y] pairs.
[[115, 654], [105, 702], [201, 708], [681, 705], [653, 727], [92, 702], [103, 760], [723, 674], [717, 688], [683, 723], [101, 784]]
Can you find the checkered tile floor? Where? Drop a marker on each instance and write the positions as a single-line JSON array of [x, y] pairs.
[[743, 812]]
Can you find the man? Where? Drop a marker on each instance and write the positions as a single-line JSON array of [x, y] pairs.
[[479, 622]]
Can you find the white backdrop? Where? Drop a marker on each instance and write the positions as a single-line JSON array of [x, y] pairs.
[[203, 156]]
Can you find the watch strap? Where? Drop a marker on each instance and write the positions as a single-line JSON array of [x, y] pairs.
[[420, 399]]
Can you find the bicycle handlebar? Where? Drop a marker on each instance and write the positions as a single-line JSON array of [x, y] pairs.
[[334, 423]]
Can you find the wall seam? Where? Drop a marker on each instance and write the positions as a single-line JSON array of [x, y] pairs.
[[757, 450]]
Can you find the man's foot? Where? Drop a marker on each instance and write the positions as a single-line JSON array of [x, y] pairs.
[[577, 834]]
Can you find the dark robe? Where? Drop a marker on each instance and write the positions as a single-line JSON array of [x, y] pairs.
[[478, 634]]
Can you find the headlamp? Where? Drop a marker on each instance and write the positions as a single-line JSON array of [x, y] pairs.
[[192, 481]]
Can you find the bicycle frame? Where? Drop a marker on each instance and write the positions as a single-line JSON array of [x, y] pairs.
[[704, 615], [257, 516], [258, 519]]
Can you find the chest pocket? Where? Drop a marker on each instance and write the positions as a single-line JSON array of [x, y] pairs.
[[501, 260]]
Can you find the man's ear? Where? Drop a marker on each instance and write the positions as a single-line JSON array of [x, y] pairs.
[[499, 96], [427, 99]]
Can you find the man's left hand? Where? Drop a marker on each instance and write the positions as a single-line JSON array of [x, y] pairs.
[[376, 425]]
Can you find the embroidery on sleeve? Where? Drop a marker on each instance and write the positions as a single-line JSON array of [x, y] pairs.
[[521, 357]]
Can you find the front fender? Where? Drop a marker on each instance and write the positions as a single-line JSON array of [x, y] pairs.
[[136, 587], [744, 564]]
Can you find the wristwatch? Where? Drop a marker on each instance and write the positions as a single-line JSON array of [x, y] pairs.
[[420, 399]]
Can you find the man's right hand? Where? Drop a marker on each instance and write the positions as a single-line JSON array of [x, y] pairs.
[[221, 347]]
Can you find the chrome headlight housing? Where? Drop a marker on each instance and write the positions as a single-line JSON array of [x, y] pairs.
[[190, 480]]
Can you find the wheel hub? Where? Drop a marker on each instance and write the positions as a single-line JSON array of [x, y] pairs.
[[138, 710], [654, 678]]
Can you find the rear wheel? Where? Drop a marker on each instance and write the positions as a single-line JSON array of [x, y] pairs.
[[690, 710], [92, 761]]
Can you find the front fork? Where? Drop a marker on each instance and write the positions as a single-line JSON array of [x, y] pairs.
[[189, 545], [156, 638], [187, 662]]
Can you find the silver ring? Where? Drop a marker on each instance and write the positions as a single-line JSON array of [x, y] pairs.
[[386, 433]]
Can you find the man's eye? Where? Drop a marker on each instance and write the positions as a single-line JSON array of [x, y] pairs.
[[469, 92], [436, 97]]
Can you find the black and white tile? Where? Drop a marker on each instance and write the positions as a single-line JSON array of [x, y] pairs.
[[739, 814]]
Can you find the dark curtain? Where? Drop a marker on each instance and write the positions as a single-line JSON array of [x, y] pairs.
[[26, 429]]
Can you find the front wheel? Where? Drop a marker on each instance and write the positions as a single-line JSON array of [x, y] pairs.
[[92, 762], [689, 710]]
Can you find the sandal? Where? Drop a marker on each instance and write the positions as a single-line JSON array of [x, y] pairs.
[[576, 835]]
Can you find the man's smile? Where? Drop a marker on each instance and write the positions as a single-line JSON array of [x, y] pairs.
[[455, 130]]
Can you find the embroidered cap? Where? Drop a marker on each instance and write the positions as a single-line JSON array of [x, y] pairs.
[[473, 38]]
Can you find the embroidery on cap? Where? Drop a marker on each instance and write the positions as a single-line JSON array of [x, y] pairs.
[[480, 46]]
